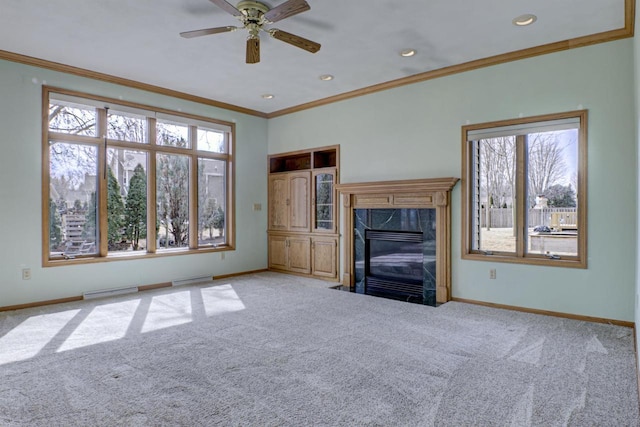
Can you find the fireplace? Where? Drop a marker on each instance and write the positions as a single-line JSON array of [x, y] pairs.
[[397, 239], [394, 254], [393, 265]]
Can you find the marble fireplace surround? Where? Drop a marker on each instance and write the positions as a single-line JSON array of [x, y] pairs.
[[431, 193]]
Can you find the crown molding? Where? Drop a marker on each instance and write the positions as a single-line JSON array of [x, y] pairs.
[[56, 66], [607, 36]]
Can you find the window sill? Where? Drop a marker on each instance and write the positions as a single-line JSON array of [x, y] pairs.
[[126, 256], [531, 260]]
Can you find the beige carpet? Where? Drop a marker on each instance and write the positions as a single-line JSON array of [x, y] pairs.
[[271, 349]]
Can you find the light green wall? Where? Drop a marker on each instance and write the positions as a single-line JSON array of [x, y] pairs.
[[404, 133], [414, 132], [20, 184]]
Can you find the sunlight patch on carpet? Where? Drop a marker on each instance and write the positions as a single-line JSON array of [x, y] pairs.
[[40, 330], [221, 299], [168, 310], [108, 322]]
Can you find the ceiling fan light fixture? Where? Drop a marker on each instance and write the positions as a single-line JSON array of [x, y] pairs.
[[524, 20], [407, 52], [253, 16], [326, 77]]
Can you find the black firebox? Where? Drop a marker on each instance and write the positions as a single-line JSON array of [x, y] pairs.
[[394, 265]]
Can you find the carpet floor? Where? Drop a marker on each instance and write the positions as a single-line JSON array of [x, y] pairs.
[[276, 350]]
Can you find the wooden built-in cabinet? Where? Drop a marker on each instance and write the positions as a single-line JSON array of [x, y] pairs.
[[324, 257], [290, 253], [289, 196], [303, 226]]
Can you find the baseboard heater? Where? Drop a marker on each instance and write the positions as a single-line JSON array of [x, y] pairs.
[[109, 292], [133, 289], [192, 281]]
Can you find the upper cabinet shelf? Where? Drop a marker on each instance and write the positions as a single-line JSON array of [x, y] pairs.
[[325, 157], [291, 163]]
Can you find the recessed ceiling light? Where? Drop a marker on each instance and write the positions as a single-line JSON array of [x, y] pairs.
[[524, 20], [326, 77], [408, 52], [268, 96]]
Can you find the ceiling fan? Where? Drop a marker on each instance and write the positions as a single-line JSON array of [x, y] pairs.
[[254, 16]]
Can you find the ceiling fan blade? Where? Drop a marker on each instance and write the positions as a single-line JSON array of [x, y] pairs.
[[297, 41], [206, 32], [253, 50], [286, 9], [229, 8]]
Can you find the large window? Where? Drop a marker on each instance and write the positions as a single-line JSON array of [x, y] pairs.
[[121, 179], [524, 190]]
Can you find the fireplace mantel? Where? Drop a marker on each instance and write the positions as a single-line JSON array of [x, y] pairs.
[[432, 193]]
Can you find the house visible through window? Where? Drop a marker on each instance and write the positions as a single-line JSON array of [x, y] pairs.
[[126, 179], [524, 190]]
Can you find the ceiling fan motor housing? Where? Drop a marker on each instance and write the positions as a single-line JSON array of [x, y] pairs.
[[253, 10], [254, 15]]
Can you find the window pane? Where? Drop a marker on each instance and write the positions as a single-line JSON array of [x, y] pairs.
[[173, 134], [75, 119], [72, 202], [211, 202], [493, 213], [127, 200], [127, 127], [552, 181], [172, 187], [212, 140]]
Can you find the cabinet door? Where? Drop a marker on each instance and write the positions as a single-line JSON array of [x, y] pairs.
[[299, 253], [324, 207], [299, 202], [279, 202], [324, 257], [278, 252]]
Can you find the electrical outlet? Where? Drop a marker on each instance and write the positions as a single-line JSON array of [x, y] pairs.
[[257, 207], [26, 274], [492, 273]]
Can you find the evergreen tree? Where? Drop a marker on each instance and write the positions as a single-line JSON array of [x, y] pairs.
[[115, 210], [90, 225], [77, 206], [173, 197], [61, 204], [218, 220], [206, 216], [55, 226], [561, 196], [135, 212]]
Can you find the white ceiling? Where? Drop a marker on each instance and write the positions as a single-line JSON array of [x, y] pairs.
[[361, 41]]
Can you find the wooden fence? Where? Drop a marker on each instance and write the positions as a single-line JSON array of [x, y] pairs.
[[503, 217]]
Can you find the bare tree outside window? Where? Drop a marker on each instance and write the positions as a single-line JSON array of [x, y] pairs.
[[541, 220], [95, 145]]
